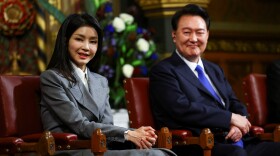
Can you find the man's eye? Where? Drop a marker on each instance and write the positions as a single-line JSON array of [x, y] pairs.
[[200, 32]]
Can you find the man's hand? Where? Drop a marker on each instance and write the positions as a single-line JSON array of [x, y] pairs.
[[143, 137], [234, 134], [241, 122]]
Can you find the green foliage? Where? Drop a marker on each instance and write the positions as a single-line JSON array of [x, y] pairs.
[[123, 55]]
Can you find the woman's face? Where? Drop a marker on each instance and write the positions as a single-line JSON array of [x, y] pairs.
[[83, 45]]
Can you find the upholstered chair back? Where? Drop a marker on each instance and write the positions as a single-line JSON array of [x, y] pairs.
[[19, 105], [254, 86], [138, 105]]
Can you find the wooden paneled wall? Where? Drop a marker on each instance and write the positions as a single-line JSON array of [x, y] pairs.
[[238, 65]]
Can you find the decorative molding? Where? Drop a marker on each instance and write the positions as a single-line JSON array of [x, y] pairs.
[[245, 30], [162, 8], [244, 46]]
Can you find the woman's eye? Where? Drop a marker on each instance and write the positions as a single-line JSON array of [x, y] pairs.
[[79, 39], [94, 42]]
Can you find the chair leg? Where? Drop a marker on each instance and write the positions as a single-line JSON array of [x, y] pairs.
[[164, 138], [206, 141], [98, 143]]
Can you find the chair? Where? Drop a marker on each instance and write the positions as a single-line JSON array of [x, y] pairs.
[[255, 96], [21, 128], [138, 105]]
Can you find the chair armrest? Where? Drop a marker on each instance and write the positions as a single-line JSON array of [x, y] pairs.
[[64, 138], [59, 137], [164, 138], [256, 130], [68, 141], [179, 136], [270, 127], [98, 143], [267, 135], [185, 137], [44, 145], [9, 145]]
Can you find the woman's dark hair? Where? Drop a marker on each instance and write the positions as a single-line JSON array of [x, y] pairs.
[[190, 9], [60, 59]]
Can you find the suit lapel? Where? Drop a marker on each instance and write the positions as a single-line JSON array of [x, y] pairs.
[[97, 94], [83, 97], [184, 70]]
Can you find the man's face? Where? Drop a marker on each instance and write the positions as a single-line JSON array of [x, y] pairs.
[[191, 37]]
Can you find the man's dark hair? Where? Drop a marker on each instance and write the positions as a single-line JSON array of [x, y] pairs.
[[190, 9]]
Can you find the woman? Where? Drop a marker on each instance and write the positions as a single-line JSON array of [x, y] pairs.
[[74, 98]]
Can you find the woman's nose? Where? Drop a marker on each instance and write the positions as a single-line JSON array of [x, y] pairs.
[[86, 46]]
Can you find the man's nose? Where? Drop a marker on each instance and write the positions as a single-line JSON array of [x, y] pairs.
[[193, 37]]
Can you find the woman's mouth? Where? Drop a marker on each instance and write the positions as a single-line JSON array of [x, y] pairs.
[[83, 55]]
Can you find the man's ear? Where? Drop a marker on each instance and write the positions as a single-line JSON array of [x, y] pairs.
[[173, 36]]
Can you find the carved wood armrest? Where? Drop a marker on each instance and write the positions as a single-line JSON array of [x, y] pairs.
[[164, 138], [98, 143], [185, 137], [272, 136], [45, 145]]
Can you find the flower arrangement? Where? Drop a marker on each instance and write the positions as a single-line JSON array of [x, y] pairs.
[[128, 50]]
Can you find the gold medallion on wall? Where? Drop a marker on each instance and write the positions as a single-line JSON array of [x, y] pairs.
[[16, 17]]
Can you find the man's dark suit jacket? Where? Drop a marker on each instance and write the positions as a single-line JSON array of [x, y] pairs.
[[273, 91], [180, 101]]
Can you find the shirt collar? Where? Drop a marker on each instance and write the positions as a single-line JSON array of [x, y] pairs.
[[192, 65], [79, 71]]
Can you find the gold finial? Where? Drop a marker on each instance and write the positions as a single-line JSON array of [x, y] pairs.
[[14, 59], [15, 70]]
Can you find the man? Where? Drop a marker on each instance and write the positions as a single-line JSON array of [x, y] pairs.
[[181, 101], [273, 91]]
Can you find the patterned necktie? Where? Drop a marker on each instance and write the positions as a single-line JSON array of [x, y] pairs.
[[204, 81]]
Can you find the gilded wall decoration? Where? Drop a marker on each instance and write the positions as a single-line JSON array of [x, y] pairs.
[[161, 8], [250, 26], [17, 47]]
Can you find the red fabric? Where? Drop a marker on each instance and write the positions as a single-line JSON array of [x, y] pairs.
[[20, 120], [254, 86], [19, 105], [138, 105]]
